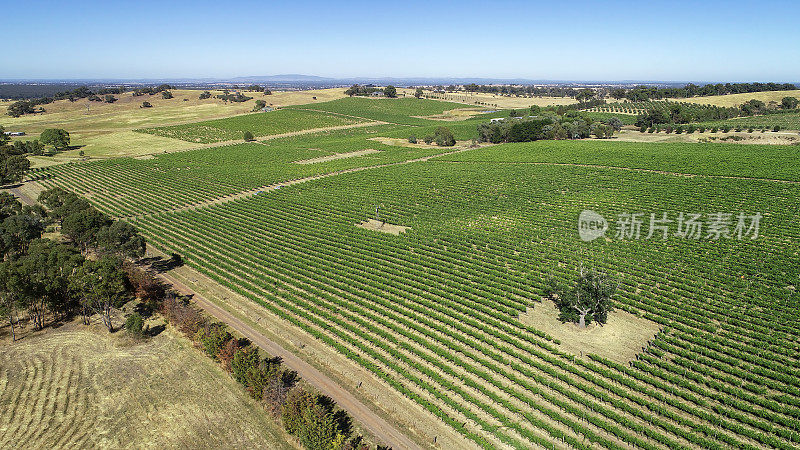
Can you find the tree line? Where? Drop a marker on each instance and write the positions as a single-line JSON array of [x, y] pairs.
[[45, 278], [546, 123], [527, 90], [644, 93]]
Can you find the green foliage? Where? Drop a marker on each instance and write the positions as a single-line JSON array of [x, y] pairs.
[[444, 137], [134, 324], [213, 338], [248, 136], [166, 95], [412, 139], [789, 102], [259, 105], [55, 137], [390, 91], [589, 300]]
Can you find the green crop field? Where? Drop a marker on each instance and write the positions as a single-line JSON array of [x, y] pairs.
[[787, 121], [450, 312], [736, 160], [394, 110], [437, 312], [130, 186], [260, 124]]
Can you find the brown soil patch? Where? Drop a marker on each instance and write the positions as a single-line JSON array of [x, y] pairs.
[[454, 114], [621, 339], [336, 156], [383, 227]]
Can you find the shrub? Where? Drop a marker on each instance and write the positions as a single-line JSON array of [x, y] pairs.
[[726, 128], [248, 136], [651, 130], [738, 129], [749, 130], [444, 137], [312, 421], [691, 129], [412, 139], [679, 129], [213, 338], [182, 315], [227, 352], [428, 139], [134, 324], [714, 129], [166, 94], [776, 128], [643, 128], [146, 105], [244, 361], [702, 129]]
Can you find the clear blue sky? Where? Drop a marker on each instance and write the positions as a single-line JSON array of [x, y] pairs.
[[706, 40]]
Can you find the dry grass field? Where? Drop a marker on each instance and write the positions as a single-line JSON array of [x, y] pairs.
[[80, 387], [738, 99], [105, 129]]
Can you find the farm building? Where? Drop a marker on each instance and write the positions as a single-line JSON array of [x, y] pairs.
[[14, 133]]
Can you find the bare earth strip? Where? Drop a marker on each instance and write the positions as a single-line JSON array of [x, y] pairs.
[[336, 156], [272, 187]]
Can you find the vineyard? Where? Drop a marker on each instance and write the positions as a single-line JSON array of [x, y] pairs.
[[438, 311], [260, 124], [786, 121], [127, 186], [778, 162], [483, 239], [406, 111]]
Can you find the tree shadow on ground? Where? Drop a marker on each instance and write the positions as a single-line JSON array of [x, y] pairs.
[[161, 264]]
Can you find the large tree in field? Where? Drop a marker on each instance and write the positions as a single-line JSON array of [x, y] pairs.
[[588, 300], [56, 137], [9, 300], [390, 91], [100, 286], [789, 102]]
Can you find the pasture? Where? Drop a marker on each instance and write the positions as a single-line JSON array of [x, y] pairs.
[[81, 387], [737, 99]]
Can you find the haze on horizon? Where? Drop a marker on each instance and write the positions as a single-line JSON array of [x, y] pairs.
[[580, 40]]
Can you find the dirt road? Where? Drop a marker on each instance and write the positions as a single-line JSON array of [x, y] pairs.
[[379, 428]]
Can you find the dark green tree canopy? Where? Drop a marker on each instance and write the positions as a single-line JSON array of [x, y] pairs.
[[55, 137]]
